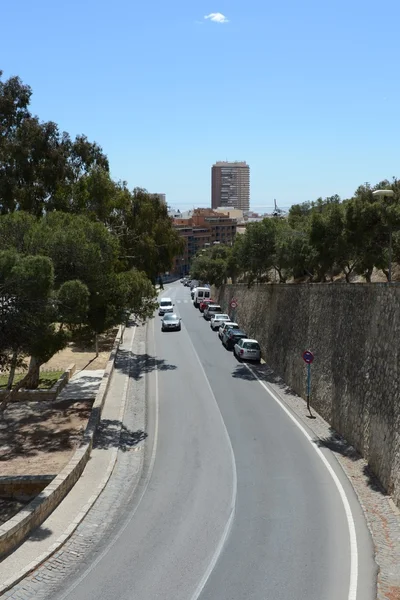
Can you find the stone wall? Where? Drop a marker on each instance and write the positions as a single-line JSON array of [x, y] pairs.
[[354, 332]]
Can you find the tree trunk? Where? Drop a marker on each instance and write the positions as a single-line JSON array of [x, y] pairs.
[[368, 274], [29, 382], [347, 275], [31, 379], [96, 344], [12, 370]]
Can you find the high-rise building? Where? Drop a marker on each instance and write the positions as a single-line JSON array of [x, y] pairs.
[[230, 185], [161, 197]]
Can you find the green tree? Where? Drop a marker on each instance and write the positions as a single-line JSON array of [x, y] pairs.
[[29, 319], [36, 159]]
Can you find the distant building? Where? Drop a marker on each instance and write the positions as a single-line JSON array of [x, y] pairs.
[[230, 185], [201, 228], [161, 197]]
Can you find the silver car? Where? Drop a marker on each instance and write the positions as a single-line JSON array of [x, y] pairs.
[[171, 322], [247, 349]]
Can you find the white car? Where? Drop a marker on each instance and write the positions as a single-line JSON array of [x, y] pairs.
[[247, 349], [217, 320], [165, 306], [226, 325]]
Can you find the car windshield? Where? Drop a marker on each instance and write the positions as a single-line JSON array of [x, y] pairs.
[[221, 317], [170, 317], [251, 346], [165, 303]]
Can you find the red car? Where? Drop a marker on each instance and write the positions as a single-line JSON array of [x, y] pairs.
[[204, 303]]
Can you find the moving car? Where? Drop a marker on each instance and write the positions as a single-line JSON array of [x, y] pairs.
[[231, 337], [211, 310], [225, 326], [247, 349], [171, 322], [217, 320], [204, 303], [165, 306]]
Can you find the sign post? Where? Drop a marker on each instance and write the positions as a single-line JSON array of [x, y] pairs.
[[233, 304], [308, 358]]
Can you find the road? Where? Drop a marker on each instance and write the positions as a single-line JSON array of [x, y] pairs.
[[236, 502]]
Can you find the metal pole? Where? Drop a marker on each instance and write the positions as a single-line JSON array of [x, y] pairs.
[[308, 387], [390, 254]]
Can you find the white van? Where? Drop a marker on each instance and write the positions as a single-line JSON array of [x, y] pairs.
[[200, 294], [165, 306]]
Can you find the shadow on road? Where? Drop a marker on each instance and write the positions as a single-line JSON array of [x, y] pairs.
[[264, 373], [136, 365], [108, 435]]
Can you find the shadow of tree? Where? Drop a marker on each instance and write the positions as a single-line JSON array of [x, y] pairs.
[[373, 482], [264, 373], [136, 365], [27, 430], [39, 534], [108, 435], [338, 444]]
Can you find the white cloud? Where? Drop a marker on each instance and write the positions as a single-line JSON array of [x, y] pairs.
[[217, 18]]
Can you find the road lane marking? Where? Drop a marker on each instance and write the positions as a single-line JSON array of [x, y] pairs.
[[229, 522], [346, 505], [146, 484]]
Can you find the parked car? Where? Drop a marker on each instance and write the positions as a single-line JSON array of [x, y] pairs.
[[200, 293], [211, 310], [171, 322], [225, 326], [231, 337], [247, 349], [204, 303], [165, 306], [217, 319], [194, 283], [192, 292], [187, 283]]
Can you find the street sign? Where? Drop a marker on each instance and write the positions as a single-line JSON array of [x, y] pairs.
[[308, 357], [234, 303]]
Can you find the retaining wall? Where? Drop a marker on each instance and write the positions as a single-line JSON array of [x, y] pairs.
[[31, 516], [354, 332]]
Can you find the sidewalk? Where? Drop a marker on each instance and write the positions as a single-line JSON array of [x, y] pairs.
[[46, 539]]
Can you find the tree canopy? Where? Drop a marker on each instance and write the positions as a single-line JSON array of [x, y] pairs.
[[77, 249], [316, 241]]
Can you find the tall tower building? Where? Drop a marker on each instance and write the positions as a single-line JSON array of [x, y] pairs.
[[230, 185]]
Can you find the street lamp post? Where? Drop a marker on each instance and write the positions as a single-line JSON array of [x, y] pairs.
[[387, 194]]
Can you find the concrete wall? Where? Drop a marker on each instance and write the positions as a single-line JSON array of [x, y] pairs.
[[354, 332]]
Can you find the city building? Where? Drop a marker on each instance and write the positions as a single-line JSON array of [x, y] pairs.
[[161, 197], [230, 185], [201, 228]]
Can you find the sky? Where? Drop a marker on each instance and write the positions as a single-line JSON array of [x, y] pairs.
[[307, 93]]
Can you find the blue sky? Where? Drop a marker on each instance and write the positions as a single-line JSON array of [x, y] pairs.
[[306, 92]]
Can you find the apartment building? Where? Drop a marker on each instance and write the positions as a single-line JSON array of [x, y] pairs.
[[230, 185], [201, 228]]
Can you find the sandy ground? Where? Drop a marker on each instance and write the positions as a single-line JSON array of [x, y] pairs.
[[37, 438]]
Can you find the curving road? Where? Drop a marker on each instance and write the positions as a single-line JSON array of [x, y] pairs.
[[235, 502]]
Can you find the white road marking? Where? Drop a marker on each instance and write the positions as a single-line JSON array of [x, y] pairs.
[[147, 480], [346, 505], [229, 522]]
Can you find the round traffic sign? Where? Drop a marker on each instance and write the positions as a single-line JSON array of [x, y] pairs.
[[233, 303], [308, 357]]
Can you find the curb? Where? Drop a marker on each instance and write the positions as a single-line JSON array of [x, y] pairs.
[[14, 531]]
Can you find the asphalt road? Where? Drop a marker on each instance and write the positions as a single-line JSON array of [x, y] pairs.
[[235, 501]]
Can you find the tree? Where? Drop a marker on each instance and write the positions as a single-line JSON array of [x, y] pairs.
[[28, 319], [148, 240], [38, 163], [326, 238]]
